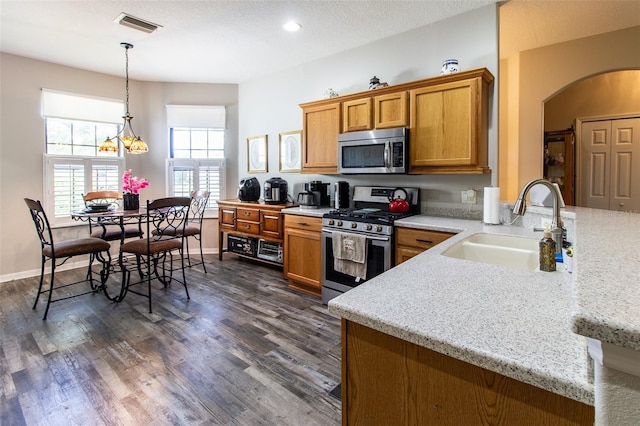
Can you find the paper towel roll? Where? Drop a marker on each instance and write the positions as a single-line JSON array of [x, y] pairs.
[[491, 212]]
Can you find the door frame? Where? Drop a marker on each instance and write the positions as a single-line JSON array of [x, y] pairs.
[[578, 151]]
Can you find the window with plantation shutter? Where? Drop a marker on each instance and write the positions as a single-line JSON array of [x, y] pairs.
[[67, 178], [75, 126], [196, 151], [187, 175]]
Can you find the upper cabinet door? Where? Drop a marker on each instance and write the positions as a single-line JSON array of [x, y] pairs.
[[320, 129], [390, 110], [356, 115], [448, 128]]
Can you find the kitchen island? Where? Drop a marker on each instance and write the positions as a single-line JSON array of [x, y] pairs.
[[518, 324]]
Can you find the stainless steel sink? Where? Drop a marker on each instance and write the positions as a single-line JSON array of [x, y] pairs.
[[502, 250]]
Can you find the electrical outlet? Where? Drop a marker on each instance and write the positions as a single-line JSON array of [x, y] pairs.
[[468, 196]]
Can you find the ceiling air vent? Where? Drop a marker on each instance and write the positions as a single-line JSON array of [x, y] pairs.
[[136, 23]]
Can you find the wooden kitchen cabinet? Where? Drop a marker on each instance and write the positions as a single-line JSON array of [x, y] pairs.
[[412, 242], [356, 115], [303, 253], [389, 381], [447, 118], [449, 126], [250, 219], [320, 128], [391, 110]]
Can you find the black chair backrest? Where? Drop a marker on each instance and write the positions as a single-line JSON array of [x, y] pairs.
[[102, 197], [40, 220], [167, 217], [199, 200]]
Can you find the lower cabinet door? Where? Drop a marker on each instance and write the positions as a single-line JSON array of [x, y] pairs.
[[302, 259]]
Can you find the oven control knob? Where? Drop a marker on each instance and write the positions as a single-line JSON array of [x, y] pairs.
[[354, 225], [331, 222], [379, 228], [339, 223], [369, 227]]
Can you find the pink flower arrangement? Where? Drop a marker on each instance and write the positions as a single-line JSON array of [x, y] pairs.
[[132, 184]]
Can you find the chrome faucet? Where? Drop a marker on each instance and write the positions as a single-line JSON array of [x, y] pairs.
[[557, 228]]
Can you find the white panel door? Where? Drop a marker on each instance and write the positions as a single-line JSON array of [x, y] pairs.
[[594, 164], [625, 165], [610, 164]]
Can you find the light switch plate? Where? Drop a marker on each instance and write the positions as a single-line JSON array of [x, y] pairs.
[[468, 196]]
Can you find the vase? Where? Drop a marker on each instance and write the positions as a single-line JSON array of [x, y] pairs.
[[130, 201], [450, 66]]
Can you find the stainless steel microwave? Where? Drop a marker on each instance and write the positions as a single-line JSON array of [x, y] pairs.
[[373, 151]]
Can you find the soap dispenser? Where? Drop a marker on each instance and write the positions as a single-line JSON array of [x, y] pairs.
[[547, 252]]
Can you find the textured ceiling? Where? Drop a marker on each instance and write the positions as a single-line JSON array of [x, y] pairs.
[[239, 40]]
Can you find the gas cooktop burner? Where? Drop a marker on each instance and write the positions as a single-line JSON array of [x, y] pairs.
[[367, 215]]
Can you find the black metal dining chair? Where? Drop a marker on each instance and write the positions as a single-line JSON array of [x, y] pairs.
[[108, 229], [59, 252], [166, 220], [199, 200]]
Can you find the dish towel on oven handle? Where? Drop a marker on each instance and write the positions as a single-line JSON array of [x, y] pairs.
[[350, 254]]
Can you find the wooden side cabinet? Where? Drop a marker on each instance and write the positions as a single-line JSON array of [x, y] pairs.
[[391, 110], [412, 242], [303, 253], [320, 129], [256, 220], [389, 381], [356, 115]]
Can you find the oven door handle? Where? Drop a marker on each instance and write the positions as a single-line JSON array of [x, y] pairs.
[[369, 237]]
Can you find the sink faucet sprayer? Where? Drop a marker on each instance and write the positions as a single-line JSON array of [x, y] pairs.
[[557, 230]]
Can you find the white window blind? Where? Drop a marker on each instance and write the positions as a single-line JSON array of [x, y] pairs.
[[187, 175], [57, 104], [67, 178], [196, 116]]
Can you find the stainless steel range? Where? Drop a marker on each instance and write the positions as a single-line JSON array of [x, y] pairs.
[[357, 243]]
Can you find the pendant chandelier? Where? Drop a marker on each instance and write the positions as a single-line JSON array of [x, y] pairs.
[[130, 141]]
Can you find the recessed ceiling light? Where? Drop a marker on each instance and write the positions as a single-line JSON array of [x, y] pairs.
[[292, 26]]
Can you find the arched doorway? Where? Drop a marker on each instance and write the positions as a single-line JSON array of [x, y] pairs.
[[602, 108]]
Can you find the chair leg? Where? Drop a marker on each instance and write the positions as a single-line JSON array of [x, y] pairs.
[[149, 279], [184, 278], [202, 255], [53, 270], [186, 243], [44, 259]]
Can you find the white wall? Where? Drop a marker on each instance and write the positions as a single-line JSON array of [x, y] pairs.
[[270, 105]]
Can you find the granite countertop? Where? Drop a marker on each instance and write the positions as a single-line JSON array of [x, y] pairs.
[[301, 211], [514, 322]]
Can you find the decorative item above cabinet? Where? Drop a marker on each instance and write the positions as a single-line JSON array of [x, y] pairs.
[[447, 117]]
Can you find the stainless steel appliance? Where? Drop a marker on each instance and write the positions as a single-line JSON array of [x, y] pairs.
[[249, 189], [316, 194], [275, 191], [370, 217], [373, 151], [269, 250]]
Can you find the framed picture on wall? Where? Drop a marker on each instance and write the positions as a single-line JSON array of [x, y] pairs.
[[257, 156], [291, 151]]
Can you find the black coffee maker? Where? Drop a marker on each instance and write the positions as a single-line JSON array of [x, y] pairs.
[[320, 192]]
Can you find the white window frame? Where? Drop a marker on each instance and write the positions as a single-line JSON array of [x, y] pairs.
[[50, 160], [195, 164]]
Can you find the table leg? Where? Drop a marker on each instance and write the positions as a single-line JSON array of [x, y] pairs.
[[220, 241]]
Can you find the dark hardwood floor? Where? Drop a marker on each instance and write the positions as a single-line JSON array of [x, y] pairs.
[[245, 350]]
